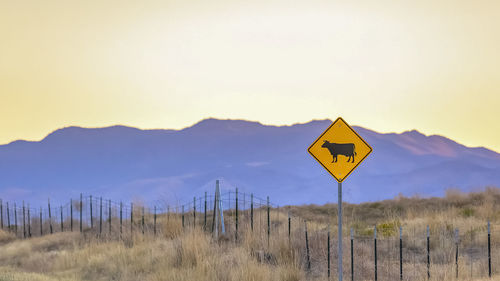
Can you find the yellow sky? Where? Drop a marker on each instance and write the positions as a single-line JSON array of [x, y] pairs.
[[386, 65]]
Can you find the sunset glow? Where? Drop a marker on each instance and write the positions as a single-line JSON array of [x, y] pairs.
[[389, 66]]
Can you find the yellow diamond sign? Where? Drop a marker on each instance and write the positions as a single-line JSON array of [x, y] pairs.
[[339, 149]]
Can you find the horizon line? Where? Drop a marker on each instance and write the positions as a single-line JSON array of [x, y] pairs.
[[239, 119]]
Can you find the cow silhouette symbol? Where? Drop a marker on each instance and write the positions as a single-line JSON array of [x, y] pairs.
[[336, 149]]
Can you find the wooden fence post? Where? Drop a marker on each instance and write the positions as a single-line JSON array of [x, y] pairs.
[[50, 218], [307, 247], [194, 212]]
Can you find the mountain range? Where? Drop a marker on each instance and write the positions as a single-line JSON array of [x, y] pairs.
[[125, 163]]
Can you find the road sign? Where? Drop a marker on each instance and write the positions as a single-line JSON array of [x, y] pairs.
[[339, 149]]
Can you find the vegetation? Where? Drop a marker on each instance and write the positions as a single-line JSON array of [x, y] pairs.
[[190, 253]]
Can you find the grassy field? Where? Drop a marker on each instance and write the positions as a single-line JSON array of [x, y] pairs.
[[189, 253]]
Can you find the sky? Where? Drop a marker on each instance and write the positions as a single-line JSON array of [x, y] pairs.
[[385, 65]]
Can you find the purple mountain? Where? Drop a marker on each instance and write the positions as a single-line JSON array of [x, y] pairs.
[[125, 163]]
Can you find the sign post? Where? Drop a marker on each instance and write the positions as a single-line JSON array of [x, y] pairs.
[[339, 205], [339, 139]]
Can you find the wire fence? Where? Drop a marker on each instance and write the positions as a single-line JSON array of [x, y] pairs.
[[437, 253]]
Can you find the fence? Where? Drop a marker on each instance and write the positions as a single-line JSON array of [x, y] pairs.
[[414, 253]]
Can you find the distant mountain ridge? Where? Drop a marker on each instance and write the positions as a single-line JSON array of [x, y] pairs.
[[170, 165]]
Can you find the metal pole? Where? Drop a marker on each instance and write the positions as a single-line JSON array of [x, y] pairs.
[[375, 250], [109, 215], [215, 207], [470, 257], [50, 218], [307, 247], [289, 228], [121, 218], [24, 221], [268, 222], [1, 213], [205, 215], [251, 211], [142, 220], [352, 254], [71, 213], [182, 216], [456, 253], [29, 221], [340, 230], [428, 255], [278, 219], [489, 250], [236, 207], [400, 253], [221, 210], [81, 212], [154, 223], [8, 217], [194, 212], [91, 216], [62, 223], [41, 221], [216, 215], [328, 250], [100, 216], [15, 217]]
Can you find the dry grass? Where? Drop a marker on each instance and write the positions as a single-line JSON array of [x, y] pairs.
[[192, 254]]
